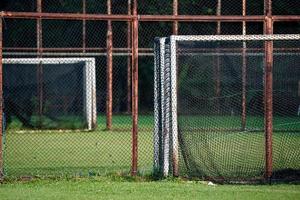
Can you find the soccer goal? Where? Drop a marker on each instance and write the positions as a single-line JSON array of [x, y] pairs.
[[50, 93], [226, 106]]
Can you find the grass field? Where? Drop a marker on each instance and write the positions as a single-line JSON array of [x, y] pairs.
[[127, 188], [96, 165], [79, 153]]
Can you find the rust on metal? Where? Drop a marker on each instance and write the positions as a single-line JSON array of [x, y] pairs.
[[218, 60], [134, 90], [65, 16], [175, 13], [39, 32], [201, 18], [143, 50], [109, 68], [182, 18], [1, 107], [268, 91], [175, 150], [83, 26], [244, 71], [129, 59]]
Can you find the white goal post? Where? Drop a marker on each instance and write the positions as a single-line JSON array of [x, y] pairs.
[[89, 81], [166, 53]]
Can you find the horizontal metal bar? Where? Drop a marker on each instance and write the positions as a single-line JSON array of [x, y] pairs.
[[67, 54], [202, 18], [141, 50], [285, 18], [199, 38], [65, 16], [101, 49], [171, 18]]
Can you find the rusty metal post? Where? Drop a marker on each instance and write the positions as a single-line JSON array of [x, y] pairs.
[[218, 61], [134, 90], [109, 61], [129, 60], [244, 72], [175, 13], [175, 136], [268, 91], [39, 35], [1, 107], [83, 27]]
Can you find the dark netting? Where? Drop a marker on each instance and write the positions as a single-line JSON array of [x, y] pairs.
[[45, 96], [286, 110], [221, 136]]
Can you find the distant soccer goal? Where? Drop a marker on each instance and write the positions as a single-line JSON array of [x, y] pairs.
[[226, 106], [50, 93]]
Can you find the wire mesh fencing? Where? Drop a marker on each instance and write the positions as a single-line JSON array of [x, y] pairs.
[[50, 123]]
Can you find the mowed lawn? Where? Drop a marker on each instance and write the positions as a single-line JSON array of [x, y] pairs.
[[78, 153], [81, 153], [99, 163], [122, 188]]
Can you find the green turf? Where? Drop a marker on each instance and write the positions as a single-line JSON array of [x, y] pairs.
[[118, 121], [78, 153], [81, 153], [112, 188]]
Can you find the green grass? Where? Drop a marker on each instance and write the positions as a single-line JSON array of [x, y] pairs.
[[78, 153], [81, 153], [120, 188]]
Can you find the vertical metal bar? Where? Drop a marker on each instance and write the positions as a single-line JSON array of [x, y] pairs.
[[83, 26], [129, 60], [174, 128], [134, 90], [173, 49], [244, 72], [175, 13], [1, 107], [218, 62], [219, 7], [40, 66], [109, 70], [268, 91]]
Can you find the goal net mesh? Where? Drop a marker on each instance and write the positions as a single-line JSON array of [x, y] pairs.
[[45, 95], [220, 109]]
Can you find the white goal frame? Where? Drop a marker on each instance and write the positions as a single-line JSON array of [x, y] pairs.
[[89, 81], [166, 54]]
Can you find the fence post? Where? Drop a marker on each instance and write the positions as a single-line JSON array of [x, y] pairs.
[[244, 72], [129, 59], [83, 27], [135, 77], [1, 108], [218, 61], [39, 44], [109, 44], [268, 90], [175, 13]]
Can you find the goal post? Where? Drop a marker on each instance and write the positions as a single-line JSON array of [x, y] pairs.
[[191, 120], [161, 109], [71, 70]]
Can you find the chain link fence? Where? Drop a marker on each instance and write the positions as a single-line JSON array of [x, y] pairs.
[[37, 142]]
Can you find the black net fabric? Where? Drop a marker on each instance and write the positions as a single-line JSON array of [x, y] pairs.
[[221, 110], [44, 96], [286, 110]]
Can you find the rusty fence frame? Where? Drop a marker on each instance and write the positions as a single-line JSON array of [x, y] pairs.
[[132, 18]]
